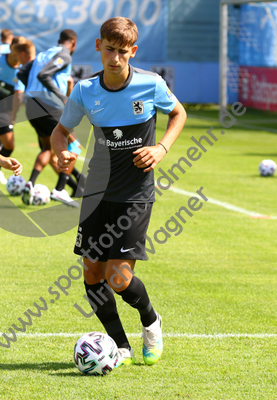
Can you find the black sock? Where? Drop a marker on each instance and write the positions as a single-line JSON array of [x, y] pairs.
[[104, 305], [136, 296], [35, 173], [5, 152], [72, 183], [62, 181], [76, 173]]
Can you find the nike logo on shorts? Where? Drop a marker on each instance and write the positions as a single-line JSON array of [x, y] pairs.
[[125, 250]]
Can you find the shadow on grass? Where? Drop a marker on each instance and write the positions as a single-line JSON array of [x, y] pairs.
[[263, 155], [47, 366], [137, 364], [51, 366]]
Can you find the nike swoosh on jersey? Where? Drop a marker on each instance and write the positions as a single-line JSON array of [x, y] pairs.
[[125, 250], [96, 111]]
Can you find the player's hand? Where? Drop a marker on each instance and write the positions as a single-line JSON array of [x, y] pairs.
[[65, 159], [13, 165], [148, 157]]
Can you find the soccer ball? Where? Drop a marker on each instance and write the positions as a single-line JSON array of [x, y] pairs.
[[267, 168], [95, 353], [15, 185], [41, 195]]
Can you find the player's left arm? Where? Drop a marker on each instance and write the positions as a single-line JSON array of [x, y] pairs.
[[17, 100], [70, 85], [148, 157]]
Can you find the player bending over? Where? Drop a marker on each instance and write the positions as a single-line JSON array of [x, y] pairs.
[[9, 64]]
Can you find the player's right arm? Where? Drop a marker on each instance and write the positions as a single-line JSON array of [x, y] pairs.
[[59, 141], [12, 164], [71, 117]]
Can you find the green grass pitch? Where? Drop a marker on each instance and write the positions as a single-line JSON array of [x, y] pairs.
[[214, 284]]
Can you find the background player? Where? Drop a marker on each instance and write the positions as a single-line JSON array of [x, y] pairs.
[[26, 53], [8, 83], [121, 102], [6, 36], [48, 75]]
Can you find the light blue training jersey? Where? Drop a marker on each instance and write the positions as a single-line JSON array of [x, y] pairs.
[[124, 120], [59, 60], [8, 78]]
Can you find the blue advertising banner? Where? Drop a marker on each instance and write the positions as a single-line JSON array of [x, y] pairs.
[[42, 20], [257, 35]]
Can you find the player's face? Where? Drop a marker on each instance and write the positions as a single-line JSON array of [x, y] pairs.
[[13, 55], [115, 58]]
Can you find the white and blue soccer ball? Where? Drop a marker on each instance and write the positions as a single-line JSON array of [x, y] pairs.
[[95, 353], [15, 185], [41, 195], [267, 168]]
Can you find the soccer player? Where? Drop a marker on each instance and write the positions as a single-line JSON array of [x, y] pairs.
[[6, 36], [9, 64], [121, 102], [46, 79], [26, 53], [11, 164]]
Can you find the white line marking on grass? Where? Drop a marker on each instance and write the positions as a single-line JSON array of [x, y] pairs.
[[243, 123], [81, 158], [228, 206], [170, 335]]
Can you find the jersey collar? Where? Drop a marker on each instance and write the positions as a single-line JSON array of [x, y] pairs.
[[131, 70]]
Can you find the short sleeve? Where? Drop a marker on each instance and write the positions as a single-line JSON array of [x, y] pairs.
[[74, 110], [164, 98]]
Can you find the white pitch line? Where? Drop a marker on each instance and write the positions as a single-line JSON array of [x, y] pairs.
[[228, 206], [219, 203], [81, 158], [170, 335]]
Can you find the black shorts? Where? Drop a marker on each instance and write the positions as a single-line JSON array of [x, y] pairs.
[[6, 105], [114, 231], [42, 121], [5, 126]]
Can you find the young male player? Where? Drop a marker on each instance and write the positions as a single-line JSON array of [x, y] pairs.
[[46, 80], [26, 53], [121, 102], [9, 64], [6, 36]]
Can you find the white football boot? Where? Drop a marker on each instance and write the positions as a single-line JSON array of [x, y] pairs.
[[63, 197]]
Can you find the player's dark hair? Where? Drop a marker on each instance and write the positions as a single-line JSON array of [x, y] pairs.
[[67, 34], [5, 34], [18, 39], [120, 30], [27, 47]]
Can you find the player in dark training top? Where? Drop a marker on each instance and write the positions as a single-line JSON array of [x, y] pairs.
[[121, 103], [46, 80]]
